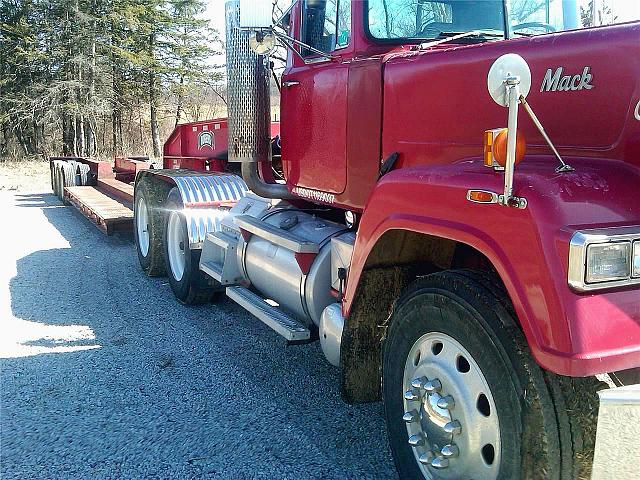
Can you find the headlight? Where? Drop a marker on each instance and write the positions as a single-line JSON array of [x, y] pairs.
[[607, 262], [607, 258]]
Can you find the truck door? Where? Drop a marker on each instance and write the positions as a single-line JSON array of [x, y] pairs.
[[314, 97]]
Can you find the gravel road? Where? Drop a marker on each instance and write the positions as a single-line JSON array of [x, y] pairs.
[[104, 375]]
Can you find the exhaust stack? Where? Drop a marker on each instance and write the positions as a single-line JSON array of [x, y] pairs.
[[248, 96], [248, 106]]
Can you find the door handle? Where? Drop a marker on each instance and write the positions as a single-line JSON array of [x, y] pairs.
[[290, 83]]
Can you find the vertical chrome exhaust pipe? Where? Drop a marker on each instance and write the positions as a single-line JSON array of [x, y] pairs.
[[248, 106]]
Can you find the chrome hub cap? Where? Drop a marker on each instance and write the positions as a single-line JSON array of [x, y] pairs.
[[142, 225], [175, 245], [452, 426]]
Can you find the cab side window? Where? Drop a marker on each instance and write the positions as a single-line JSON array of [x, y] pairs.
[[326, 24]]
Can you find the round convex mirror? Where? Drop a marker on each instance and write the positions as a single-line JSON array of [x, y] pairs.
[[508, 65]]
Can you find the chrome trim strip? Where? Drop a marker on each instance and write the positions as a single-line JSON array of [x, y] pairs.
[[578, 246]]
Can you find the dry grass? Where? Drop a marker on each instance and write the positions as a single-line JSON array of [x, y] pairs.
[[26, 176]]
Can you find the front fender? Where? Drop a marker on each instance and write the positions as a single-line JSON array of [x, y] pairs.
[[568, 332]]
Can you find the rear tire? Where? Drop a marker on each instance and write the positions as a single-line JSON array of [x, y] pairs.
[[189, 285], [148, 221], [500, 396]]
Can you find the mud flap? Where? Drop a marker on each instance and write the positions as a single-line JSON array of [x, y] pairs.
[[617, 453]]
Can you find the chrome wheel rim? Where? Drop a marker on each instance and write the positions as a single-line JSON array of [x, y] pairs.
[[176, 246], [142, 225], [450, 414]]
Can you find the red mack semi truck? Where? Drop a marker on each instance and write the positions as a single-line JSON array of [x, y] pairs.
[[452, 214]]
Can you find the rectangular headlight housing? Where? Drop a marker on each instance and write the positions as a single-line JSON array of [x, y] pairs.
[[604, 258], [607, 262]]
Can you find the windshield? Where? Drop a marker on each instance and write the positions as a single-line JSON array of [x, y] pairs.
[[432, 19], [418, 19]]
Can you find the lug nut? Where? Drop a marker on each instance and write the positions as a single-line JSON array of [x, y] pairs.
[[446, 403], [411, 395], [426, 458], [411, 416], [450, 450], [432, 385], [416, 440], [453, 427], [419, 382], [440, 462]]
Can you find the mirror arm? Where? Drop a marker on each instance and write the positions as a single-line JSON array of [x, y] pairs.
[[284, 38], [512, 85], [563, 166], [290, 47]]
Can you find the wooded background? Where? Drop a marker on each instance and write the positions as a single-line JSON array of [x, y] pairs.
[[103, 77]]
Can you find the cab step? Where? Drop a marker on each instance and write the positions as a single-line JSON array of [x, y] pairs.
[[273, 317], [217, 247]]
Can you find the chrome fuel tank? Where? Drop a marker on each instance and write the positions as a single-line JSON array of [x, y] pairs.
[[298, 283]]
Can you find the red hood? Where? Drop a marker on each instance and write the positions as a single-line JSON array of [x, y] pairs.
[[436, 103]]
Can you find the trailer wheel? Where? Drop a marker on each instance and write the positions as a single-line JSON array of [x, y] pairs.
[[54, 177], [64, 176], [82, 174], [463, 396], [190, 286], [148, 230], [69, 174], [52, 166]]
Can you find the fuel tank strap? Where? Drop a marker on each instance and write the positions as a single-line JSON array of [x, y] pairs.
[[275, 235]]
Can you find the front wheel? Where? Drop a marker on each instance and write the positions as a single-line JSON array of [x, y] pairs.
[[189, 284], [463, 397]]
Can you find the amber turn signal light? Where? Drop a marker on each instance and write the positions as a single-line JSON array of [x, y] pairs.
[[482, 196], [495, 147]]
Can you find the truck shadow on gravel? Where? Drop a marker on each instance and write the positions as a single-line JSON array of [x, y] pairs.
[[112, 377]]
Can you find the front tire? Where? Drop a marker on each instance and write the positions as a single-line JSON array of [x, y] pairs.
[[189, 285], [463, 396]]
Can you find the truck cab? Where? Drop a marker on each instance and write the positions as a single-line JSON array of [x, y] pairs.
[[476, 267]]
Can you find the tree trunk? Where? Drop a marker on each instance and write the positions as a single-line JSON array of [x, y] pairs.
[[68, 130], [155, 134], [153, 99], [4, 146], [80, 138], [180, 99]]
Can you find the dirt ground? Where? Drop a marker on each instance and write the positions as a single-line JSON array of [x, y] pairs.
[[28, 175]]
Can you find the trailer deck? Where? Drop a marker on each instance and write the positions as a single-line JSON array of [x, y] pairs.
[[105, 196], [108, 213]]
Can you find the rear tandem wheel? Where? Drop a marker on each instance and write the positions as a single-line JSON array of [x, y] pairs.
[[190, 285]]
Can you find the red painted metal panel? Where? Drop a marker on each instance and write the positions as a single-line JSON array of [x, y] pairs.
[[569, 333], [200, 146], [314, 137], [436, 103]]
